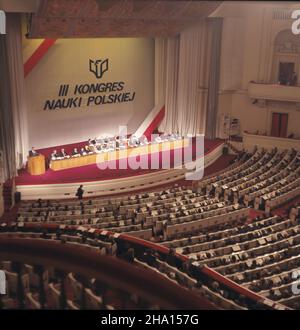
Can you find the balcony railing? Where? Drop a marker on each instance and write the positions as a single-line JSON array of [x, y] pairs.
[[274, 92], [251, 139], [150, 287]]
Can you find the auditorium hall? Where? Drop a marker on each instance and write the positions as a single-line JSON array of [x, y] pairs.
[[149, 157]]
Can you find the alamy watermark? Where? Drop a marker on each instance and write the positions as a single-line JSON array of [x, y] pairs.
[[296, 23], [2, 282], [2, 22], [156, 152]]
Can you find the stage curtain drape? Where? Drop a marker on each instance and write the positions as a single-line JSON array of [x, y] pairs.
[[7, 139], [188, 78], [17, 87], [194, 62], [214, 78], [160, 74], [13, 120], [170, 121]]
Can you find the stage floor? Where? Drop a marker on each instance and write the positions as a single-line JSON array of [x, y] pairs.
[[91, 173]]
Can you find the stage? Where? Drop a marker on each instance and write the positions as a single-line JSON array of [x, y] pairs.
[[63, 183]]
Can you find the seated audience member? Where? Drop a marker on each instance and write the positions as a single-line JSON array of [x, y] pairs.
[[83, 152], [106, 139], [63, 154], [99, 148], [133, 141], [75, 153], [177, 136], [174, 136], [122, 142], [54, 155], [165, 137], [112, 145], [33, 152], [143, 140], [137, 141], [128, 255], [92, 141], [88, 149], [158, 139]]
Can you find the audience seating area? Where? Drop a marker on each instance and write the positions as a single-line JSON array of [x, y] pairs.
[[48, 287], [40, 286], [266, 249], [208, 241]]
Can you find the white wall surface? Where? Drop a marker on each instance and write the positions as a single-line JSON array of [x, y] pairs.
[[248, 38], [131, 60]]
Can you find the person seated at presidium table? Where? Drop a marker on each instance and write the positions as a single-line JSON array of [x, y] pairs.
[[75, 153], [88, 150], [122, 144], [112, 145], [62, 154], [83, 152], [157, 139], [92, 141], [99, 145], [133, 141], [143, 140], [54, 155]]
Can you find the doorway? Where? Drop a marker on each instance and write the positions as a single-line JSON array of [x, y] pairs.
[[279, 124], [286, 70]]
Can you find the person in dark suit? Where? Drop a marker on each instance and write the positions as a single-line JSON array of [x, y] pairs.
[[63, 154], [75, 152], [80, 192], [92, 141], [33, 152], [54, 155], [83, 152]]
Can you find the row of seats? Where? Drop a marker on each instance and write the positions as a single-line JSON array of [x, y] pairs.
[[267, 247], [168, 264]]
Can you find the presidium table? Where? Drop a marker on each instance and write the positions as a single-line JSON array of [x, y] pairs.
[[62, 164], [36, 165]]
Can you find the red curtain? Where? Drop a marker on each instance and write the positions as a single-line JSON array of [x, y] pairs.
[[279, 124], [283, 124], [275, 124]]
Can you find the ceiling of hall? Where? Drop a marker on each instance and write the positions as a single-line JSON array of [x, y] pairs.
[[116, 18]]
